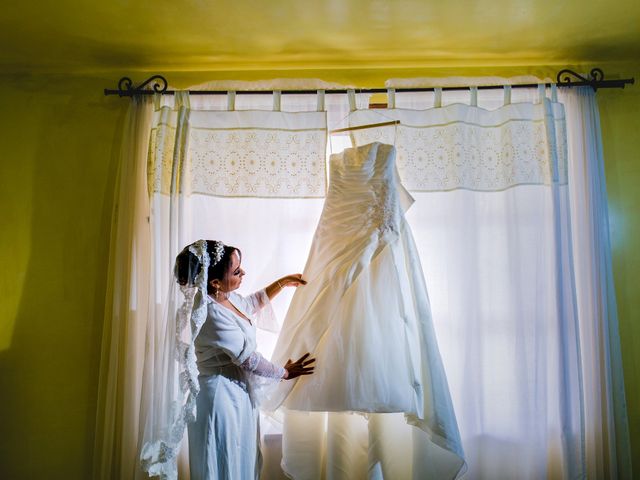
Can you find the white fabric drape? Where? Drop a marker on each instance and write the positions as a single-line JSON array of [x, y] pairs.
[[491, 220], [607, 428], [127, 306], [498, 266], [198, 159], [520, 279]]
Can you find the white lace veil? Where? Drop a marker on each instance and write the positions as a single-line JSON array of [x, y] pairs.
[[170, 372]]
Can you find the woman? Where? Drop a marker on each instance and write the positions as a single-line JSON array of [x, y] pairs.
[[224, 439]]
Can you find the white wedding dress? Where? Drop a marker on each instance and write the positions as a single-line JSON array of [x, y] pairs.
[[378, 404]]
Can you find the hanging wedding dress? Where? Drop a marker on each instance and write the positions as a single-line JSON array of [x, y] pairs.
[[378, 405]]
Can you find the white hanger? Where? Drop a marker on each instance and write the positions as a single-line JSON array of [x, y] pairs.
[[369, 125], [352, 108]]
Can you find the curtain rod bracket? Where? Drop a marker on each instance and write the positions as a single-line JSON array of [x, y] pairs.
[[126, 88], [595, 79]]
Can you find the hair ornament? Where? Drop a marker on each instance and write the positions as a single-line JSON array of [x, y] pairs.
[[218, 252]]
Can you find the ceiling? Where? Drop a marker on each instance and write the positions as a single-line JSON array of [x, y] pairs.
[[254, 35]]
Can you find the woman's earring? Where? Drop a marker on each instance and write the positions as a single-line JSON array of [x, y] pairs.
[[215, 292]]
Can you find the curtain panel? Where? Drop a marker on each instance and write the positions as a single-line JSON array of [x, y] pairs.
[[492, 223], [198, 158], [128, 306]]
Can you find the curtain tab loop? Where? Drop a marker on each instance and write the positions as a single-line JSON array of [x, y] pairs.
[[320, 107], [351, 94], [541, 92], [181, 99], [554, 93], [391, 98], [231, 100], [277, 100], [474, 96], [437, 97], [507, 95]]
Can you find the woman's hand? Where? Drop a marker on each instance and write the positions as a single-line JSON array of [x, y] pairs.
[[293, 280], [302, 366]]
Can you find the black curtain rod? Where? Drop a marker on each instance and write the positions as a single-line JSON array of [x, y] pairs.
[[566, 78]]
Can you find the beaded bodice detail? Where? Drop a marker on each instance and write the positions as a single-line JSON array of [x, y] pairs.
[[363, 192]]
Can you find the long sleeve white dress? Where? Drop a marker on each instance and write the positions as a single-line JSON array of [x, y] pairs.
[[378, 404], [224, 441]]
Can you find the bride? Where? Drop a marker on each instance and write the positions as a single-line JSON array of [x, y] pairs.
[[224, 439]]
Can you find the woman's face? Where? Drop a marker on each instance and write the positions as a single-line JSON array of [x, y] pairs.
[[233, 276]]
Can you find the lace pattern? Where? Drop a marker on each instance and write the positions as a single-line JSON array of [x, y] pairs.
[[259, 365], [258, 163], [490, 152], [159, 457], [243, 153]]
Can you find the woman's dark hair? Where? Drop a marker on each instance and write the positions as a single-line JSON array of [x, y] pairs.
[[188, 266]]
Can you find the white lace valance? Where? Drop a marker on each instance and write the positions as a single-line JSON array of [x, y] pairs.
[[240, 153], [465, 147]]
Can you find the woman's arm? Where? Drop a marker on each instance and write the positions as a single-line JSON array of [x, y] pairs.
[[259, 365], [258, 303], [276, 287]]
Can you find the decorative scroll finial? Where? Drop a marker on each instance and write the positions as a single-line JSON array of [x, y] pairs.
[[127, 89], [596, 75]]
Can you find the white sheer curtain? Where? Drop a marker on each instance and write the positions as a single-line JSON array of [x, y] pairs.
[[607, 427], [518, 270], [535, 396], [251, 178], [127, 305], [492, 225], [162, 204]]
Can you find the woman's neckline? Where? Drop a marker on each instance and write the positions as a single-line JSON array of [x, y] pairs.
[[236, 311]]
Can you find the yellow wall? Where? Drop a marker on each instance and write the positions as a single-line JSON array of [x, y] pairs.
[[57, 137], [620, 121], [56, 186]]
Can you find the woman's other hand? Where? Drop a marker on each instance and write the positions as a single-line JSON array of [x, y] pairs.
[[302, 366]]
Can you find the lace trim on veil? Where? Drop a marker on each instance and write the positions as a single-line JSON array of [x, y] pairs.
[[159, 455]]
